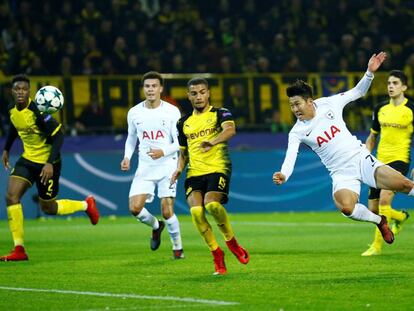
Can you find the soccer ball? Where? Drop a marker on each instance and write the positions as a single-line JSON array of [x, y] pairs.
[[49, 99]]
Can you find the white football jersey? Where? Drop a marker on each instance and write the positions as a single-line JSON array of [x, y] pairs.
[[153, 128], [326, 134]]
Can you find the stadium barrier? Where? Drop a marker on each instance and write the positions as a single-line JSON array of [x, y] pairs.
[[91, 165]]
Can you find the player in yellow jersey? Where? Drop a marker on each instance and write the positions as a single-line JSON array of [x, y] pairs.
[[203, 137], [40, 163], [393, 121]]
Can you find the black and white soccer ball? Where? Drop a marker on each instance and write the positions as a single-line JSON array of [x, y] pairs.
[[49, 99]]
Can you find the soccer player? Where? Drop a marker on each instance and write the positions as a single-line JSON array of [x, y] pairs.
[[153, 122], [40, 163], [320, 126], [203, 137], [393, 120]]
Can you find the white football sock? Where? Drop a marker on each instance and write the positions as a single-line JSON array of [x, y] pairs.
[[173, 227], [411, 193], [362, 213], [147, 218]]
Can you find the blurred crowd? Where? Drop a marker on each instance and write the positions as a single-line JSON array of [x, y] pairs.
[[71, 37]]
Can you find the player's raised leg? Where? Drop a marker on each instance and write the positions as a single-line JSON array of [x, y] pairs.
[[346, 200], [68, 207]]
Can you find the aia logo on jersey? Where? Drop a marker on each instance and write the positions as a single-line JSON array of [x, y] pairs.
[[330, 115], [327, 136], [153, 135]]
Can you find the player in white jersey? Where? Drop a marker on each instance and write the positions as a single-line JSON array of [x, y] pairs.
[[153, 123], [320, 125]]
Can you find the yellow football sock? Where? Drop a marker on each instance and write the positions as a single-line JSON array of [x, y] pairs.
[[70, 206], [15, 216], [386, 211], [397, 215], [203, 226], [222, 219]]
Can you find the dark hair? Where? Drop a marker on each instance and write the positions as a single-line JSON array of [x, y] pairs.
[[299, 88], [152, 75], [400, 75], [197, 81], [21, 78]]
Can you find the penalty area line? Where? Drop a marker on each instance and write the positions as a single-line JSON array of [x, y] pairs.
[[123, 296]]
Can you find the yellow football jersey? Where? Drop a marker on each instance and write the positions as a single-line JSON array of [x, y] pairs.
[[35, 130], [395, 126], [196, 128]]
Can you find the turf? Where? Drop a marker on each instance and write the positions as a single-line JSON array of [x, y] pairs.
[[299, 261]]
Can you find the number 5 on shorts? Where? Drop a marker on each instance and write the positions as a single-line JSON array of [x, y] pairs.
[[222, 183]]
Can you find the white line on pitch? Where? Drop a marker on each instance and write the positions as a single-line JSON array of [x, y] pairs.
[[305, 224], [146, 308], [123, 296]]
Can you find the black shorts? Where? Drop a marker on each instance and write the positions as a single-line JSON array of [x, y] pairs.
[[215, 182], [30, 171], [400, 166]]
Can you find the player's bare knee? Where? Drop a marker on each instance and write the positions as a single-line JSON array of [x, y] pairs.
[[345, 208], [135, 209], [406, 185], [12, 198], [166, 214], [48, 207]]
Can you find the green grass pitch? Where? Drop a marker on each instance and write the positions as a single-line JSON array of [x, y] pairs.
[[299, 261]]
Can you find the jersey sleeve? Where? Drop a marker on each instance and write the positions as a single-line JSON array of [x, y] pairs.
[[132, 138], [410, 105], [376, 127], [224, 115], [174, 145], [11, 136], [46, 123], [291, 155], [342, 99], [182, 139]]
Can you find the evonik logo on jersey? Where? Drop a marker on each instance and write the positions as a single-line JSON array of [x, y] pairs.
[[327, 136], [202, 133], [153, 135]]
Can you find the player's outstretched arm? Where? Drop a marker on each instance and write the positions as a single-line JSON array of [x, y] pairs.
[[279, 178], [375, 61]]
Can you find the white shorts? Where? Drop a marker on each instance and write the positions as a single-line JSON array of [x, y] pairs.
[[360, 168], [148, 177]]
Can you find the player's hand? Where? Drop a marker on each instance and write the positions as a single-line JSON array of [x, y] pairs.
[[5, 160], [155, 153], [206, 146], [175, 177], [279, 178], [376, 60], [46, 173], [125, 164]]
